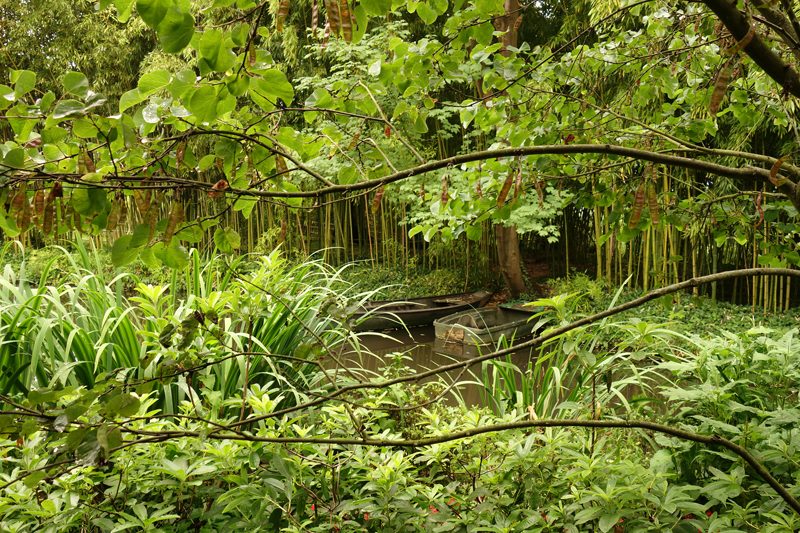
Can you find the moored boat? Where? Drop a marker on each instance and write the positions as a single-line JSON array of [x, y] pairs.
[[387, 314], [485, 326]]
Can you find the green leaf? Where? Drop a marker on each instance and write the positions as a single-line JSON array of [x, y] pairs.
[[226, 240], [130, 99], [182, 81], [123, 9], [68, 109], [34, 478], [152, 82], [121, 253], [212, 48], [377, 8], [203, 104], [89, 201], [608, 520], [148, 258], [77, 84], [124, 404], [24, 81], [14, 158], [173, 256], [176, 30], [153, 11]]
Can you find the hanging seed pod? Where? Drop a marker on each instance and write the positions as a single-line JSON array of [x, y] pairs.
[[24, 217], [142, 200], [280, 164], [478, 189], [19, 199], [501, 198], [113, 216], [123, 212], [518, 182], [216, 190], [81, 164], [283, 11], [314, 18], [387, 131], [422, 190], [773, 172], [67, 213], [638, 204], [376, 202], [48, 221], [720, 86], [539, 190], [445, 189], [325, 35], [56, 192], [175, 218], [38, 205], [251, 54], [347, 21], [180, 152], [151, 217], [354, 141], [652, 204], [518, 23], [332, 11]]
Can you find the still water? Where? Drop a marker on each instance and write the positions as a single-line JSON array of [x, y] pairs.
[[424, 352]]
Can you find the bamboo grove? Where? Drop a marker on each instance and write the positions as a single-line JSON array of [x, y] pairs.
[[655, 140]]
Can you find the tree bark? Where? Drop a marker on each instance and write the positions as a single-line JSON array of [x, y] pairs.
[[508, 254], [510, 259]]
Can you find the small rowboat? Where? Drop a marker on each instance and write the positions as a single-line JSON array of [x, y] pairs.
[[389, 314], [485, 326]]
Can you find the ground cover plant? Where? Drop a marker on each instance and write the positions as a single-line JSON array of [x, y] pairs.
[[185, 387], [212, 427]]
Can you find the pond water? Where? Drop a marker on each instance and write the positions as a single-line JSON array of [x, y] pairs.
[[424, 352]]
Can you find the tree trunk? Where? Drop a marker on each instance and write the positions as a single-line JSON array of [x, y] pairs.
[[509, 258], [508, 254]]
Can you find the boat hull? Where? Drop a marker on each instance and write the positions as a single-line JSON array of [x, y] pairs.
[[414, 312], [484, 327]]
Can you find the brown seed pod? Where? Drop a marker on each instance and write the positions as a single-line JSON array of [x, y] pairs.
[[283, 11], [216, 190], [376, 202], [251, 55], [113, 217], [19, 199], [347, 21], [48, 221], [24, 217], [652, 204], [123, 212], [38, 204], [501, 198], [638, 204], [175, 218]]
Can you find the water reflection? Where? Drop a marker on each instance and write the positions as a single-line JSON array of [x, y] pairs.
[[425, 352]]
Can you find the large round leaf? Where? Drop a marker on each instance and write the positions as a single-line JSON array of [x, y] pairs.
[[176, 30], [121, 253], [203, 103], [212, 48], [226, 240]]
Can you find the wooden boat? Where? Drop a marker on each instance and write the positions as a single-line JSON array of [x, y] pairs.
[[388, 314], [484, 326]]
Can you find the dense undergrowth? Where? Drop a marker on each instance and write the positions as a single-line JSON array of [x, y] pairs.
[[65, 347]]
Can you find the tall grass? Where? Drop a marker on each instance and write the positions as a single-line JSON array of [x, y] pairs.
[[86, 327]]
